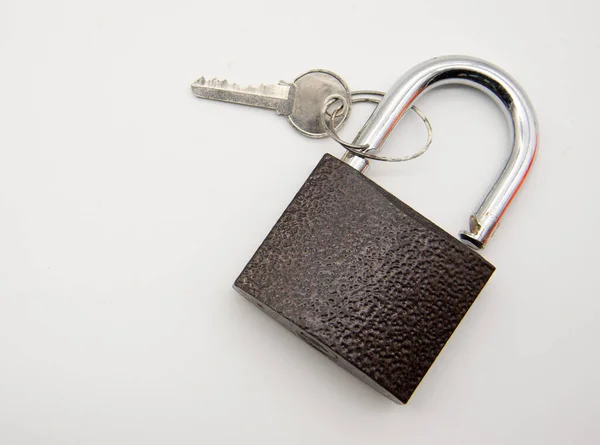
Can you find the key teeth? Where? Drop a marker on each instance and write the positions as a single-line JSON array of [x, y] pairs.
[[200, 82], [212, 83], [278, 97], [272, 90]]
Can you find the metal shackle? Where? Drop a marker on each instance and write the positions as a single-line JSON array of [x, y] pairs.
[[497, 84]]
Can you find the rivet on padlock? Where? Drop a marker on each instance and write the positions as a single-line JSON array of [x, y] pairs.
[[363, 277]]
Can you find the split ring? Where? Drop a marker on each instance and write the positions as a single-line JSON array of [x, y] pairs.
[[370, 96]]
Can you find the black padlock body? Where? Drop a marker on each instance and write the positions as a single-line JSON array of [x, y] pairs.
[[364, 278]]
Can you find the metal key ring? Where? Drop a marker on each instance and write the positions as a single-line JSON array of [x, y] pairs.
[[362, 150]]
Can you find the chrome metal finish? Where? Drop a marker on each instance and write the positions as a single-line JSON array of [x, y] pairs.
[[371, 96], [497, 84]]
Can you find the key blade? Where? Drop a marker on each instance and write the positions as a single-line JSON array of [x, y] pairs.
[[278, 97]]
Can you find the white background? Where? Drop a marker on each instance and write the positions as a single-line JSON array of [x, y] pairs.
[[128, 207]]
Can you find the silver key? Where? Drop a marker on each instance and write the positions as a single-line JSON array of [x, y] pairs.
[[301, 101]]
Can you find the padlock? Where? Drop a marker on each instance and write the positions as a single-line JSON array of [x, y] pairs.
[[360, 275]]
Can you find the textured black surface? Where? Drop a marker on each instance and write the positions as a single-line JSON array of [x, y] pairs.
[[364, 278]]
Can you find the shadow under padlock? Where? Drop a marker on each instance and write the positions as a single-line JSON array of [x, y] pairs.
[[363, 277]]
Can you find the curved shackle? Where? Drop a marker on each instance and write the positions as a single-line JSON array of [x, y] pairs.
[[487, 78]]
